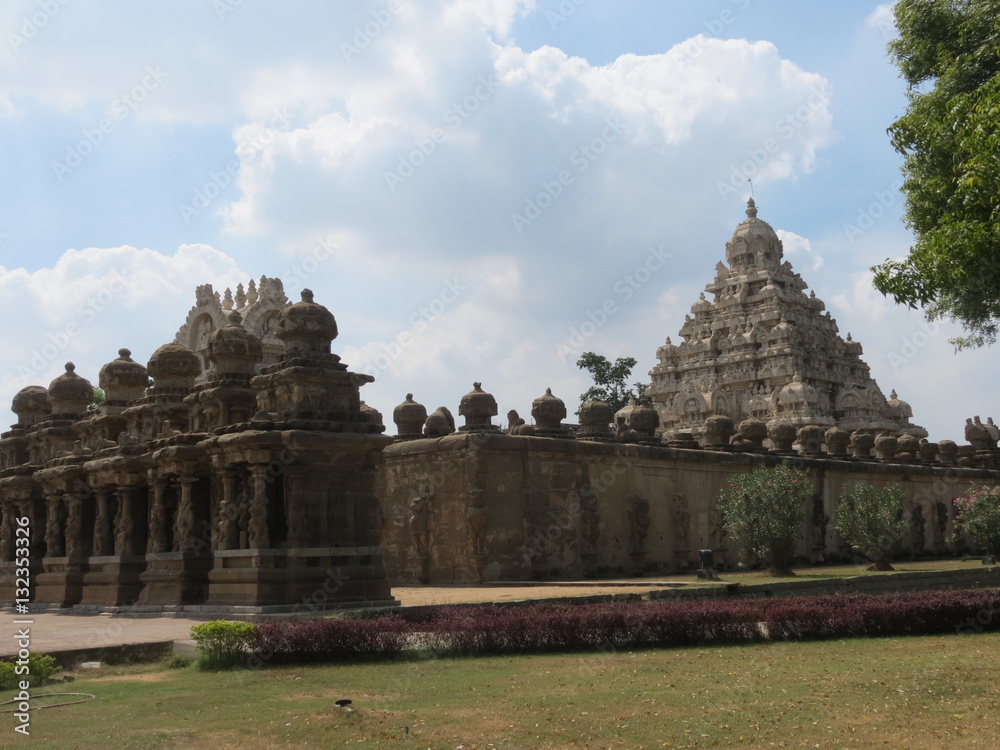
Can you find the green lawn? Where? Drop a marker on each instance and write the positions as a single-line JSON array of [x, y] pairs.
[[912, 693]]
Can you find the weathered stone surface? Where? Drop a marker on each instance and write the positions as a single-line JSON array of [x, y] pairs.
[[717, 432], [810, 440], [837, 441], [409, 418], [259, 307], [754, 431], [245, 489], [549, 411], [595, 420], [782, 436], [761, 347], [861, 445]]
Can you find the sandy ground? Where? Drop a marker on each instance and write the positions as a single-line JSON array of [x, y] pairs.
[[410, 596]]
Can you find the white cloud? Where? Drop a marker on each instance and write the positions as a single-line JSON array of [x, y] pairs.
[[883, 19], [95, 301], [690, 124], [799, 251]]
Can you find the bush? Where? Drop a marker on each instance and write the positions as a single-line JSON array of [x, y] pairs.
[[871, 520], [765, 511], [176, 661], [41, 668], [486, 630], [978, 518], [223, 644], [323, 640]]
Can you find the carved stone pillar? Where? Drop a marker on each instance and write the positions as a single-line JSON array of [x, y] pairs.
[[298, 530], [158, 518], [104, 537], [260, 537], [54, 538], [74, 526], [184, 540], [7, 532], [124, 523], [229, 514]]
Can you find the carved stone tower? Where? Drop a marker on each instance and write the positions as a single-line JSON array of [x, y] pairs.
[[762, 348]]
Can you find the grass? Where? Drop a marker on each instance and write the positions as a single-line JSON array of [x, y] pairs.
[[915, 693]]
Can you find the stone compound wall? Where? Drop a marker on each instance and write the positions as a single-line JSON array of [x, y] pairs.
[[474, 507]]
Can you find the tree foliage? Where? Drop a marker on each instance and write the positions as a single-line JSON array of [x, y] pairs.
[[948, 51], [871, 520], [610, 380], [765, 511], [978, 518], [99, 398]]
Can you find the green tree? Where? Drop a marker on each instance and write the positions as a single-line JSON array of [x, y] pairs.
[[949, 136], [978, 518], [610, 380], [765, 511], [871, 520], [99, 398]]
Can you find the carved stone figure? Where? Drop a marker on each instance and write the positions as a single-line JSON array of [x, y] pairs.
[[917, 524], [420, 511], [53, 530], [257, 526], [74, 527], [6, 534], [439, 423], [639, 520]]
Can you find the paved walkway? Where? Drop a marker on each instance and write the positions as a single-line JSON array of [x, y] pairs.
[[52, 632]]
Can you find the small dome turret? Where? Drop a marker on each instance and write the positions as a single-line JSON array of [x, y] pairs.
[[123, 379], [69, 394], [233, 350], [478, 408], [173, 368], [31, 405], [409, 418], [548, 411], [754, 242], [898, 408], [306, 327]]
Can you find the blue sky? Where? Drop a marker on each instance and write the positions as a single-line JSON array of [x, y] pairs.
[[488, 174]]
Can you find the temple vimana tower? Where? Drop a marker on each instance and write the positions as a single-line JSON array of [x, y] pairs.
[[762, 348], [239, 471]]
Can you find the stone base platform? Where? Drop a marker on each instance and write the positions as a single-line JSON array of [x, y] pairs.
[[304, 579]]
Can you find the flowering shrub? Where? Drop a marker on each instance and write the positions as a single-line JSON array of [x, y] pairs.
[[978, 518], [765, 511], [871, 519]]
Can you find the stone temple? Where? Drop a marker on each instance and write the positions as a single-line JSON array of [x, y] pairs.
[[762, 348], [240, 471]]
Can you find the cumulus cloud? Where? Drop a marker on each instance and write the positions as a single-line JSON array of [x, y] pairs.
[[95, 301], [799, 251], [424, 147], [883, 19]]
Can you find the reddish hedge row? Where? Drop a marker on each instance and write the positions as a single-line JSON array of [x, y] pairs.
[[324, 640], [483, 630]]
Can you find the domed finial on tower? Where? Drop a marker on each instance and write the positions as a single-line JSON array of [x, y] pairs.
[[307, 295], [751, 208]]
